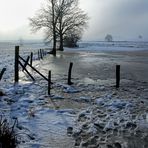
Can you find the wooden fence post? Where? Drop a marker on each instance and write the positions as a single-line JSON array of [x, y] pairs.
[[41, 55], [49, 82], [38, 54], [2, 72], [16, 64], [69, 74], [34, 69], [31, 57], [117, 76], [44, 52]]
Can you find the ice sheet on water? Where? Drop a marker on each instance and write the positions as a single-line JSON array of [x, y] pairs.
[[67, 88]]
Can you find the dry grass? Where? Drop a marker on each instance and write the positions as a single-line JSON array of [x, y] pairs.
[[8, 136]]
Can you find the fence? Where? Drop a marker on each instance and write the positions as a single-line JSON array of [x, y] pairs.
[[41, 53]]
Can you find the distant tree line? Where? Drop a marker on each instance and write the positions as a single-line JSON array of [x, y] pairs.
[[62, 21]]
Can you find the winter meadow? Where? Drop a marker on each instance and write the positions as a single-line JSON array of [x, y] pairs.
[[74, 80]]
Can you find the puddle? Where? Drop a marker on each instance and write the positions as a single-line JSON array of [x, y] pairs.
[[108, 82]]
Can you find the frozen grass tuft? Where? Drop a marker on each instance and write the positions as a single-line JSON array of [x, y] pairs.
[[8, 136]]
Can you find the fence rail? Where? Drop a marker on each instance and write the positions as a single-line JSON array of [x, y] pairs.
[[41, 54], [18, 62]]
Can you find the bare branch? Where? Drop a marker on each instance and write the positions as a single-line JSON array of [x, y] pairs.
[[58, 18]]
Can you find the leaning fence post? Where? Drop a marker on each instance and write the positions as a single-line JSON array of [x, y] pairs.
[[2, 72], [49, 82], [69, 73], [117, 76], [31, 57], [16, 64], [26, 63]]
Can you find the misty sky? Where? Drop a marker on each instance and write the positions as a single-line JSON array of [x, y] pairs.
[[124, 19]]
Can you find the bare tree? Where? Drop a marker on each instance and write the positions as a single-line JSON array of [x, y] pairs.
[[58, 18], [46, 19], [71, 21]]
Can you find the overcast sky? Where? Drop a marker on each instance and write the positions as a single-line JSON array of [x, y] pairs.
[[123, 19]]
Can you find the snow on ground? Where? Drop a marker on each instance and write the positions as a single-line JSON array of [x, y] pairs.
[[112, 121], [89, 113], [112, 46]]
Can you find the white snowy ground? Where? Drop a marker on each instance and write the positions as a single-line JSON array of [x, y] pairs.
[[93, 111]]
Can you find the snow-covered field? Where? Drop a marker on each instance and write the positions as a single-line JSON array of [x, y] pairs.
[[91, 112]]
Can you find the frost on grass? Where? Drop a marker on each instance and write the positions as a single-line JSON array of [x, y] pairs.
[[8, 135]]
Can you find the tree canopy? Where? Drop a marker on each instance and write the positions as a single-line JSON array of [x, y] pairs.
[[60, 20]]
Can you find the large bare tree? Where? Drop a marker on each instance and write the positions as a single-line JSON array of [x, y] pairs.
[[71, 21], [58, 18], [46, 19]]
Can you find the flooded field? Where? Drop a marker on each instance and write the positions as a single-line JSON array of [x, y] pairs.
[[90, 105]]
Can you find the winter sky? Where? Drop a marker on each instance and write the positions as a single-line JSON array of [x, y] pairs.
[[123, 19]]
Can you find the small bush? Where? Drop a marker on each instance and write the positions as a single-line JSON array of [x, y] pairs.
[[8, 137], [71, 40]]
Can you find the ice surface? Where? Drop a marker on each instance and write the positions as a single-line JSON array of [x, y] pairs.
[[39, 118]]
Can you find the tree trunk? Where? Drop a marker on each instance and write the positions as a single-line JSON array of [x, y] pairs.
[[61, 42], [54, 30], [54, 44]]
